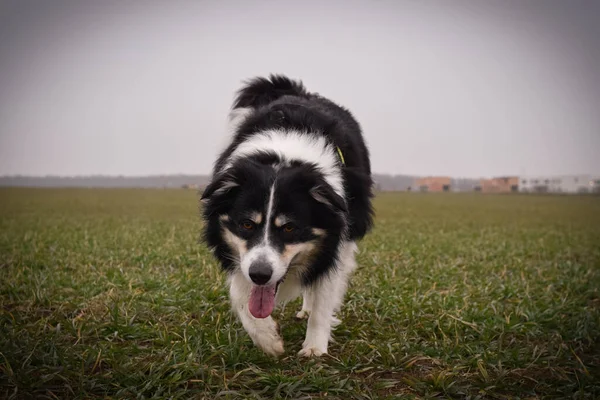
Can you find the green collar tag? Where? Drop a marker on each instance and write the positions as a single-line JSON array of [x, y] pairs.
[[341, 155]]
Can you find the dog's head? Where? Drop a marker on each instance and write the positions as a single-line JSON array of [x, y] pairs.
[[266, 218]]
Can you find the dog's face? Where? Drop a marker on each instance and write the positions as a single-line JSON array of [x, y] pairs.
[[266, 237], [271, 219]]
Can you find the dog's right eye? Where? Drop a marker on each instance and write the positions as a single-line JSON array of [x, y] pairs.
[[247, 225], [289, 228]]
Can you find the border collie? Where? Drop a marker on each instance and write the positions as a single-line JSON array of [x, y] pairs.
[[288, 199]]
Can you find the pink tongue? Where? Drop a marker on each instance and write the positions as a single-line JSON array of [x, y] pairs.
[[262, 301]]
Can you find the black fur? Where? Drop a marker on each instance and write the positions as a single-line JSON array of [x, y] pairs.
[[262, 91], [280, 103]]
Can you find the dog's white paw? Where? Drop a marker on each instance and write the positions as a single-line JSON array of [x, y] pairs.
[[272, 346], [312, 351], [267, 338], [302, 314]]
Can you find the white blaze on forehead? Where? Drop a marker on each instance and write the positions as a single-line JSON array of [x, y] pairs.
[[269, 212], [295, 146]]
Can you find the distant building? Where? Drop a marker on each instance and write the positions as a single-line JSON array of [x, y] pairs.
[[560, 184], [503, 184], [464, 184], [433, 184]]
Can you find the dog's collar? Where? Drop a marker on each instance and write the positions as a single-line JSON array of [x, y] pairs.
[[339, 151]]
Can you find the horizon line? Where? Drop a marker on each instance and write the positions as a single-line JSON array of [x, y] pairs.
[[122, 176]]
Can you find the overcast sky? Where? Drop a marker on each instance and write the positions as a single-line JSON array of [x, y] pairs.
[[462, 88]]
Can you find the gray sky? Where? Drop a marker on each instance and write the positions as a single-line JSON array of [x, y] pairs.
[[464, 88]]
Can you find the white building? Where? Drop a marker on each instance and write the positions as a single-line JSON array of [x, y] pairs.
[[560, 184]]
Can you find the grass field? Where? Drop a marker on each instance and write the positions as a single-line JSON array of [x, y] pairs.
[[107, 293]]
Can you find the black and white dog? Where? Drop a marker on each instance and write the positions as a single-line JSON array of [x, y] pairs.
[[289, 197]]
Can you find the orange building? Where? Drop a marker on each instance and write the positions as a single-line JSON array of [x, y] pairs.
[[504, 184], [433, 184]]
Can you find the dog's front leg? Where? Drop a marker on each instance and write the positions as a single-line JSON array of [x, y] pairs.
[[264, 332], [327, 296], [318, 330]]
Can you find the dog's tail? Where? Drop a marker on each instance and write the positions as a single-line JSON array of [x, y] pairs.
[[260, 91]]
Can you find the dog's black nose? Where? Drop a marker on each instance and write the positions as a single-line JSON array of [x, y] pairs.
[[260, 272]]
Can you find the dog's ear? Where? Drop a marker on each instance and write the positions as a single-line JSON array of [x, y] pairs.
[[219, 196], [226, 185], [323, 193], [306, 178], [220, 184]]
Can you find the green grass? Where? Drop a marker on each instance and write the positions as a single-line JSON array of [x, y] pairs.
[[108, 293]]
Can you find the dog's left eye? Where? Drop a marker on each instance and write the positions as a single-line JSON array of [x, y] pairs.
[[247, 225], [289, 228]]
